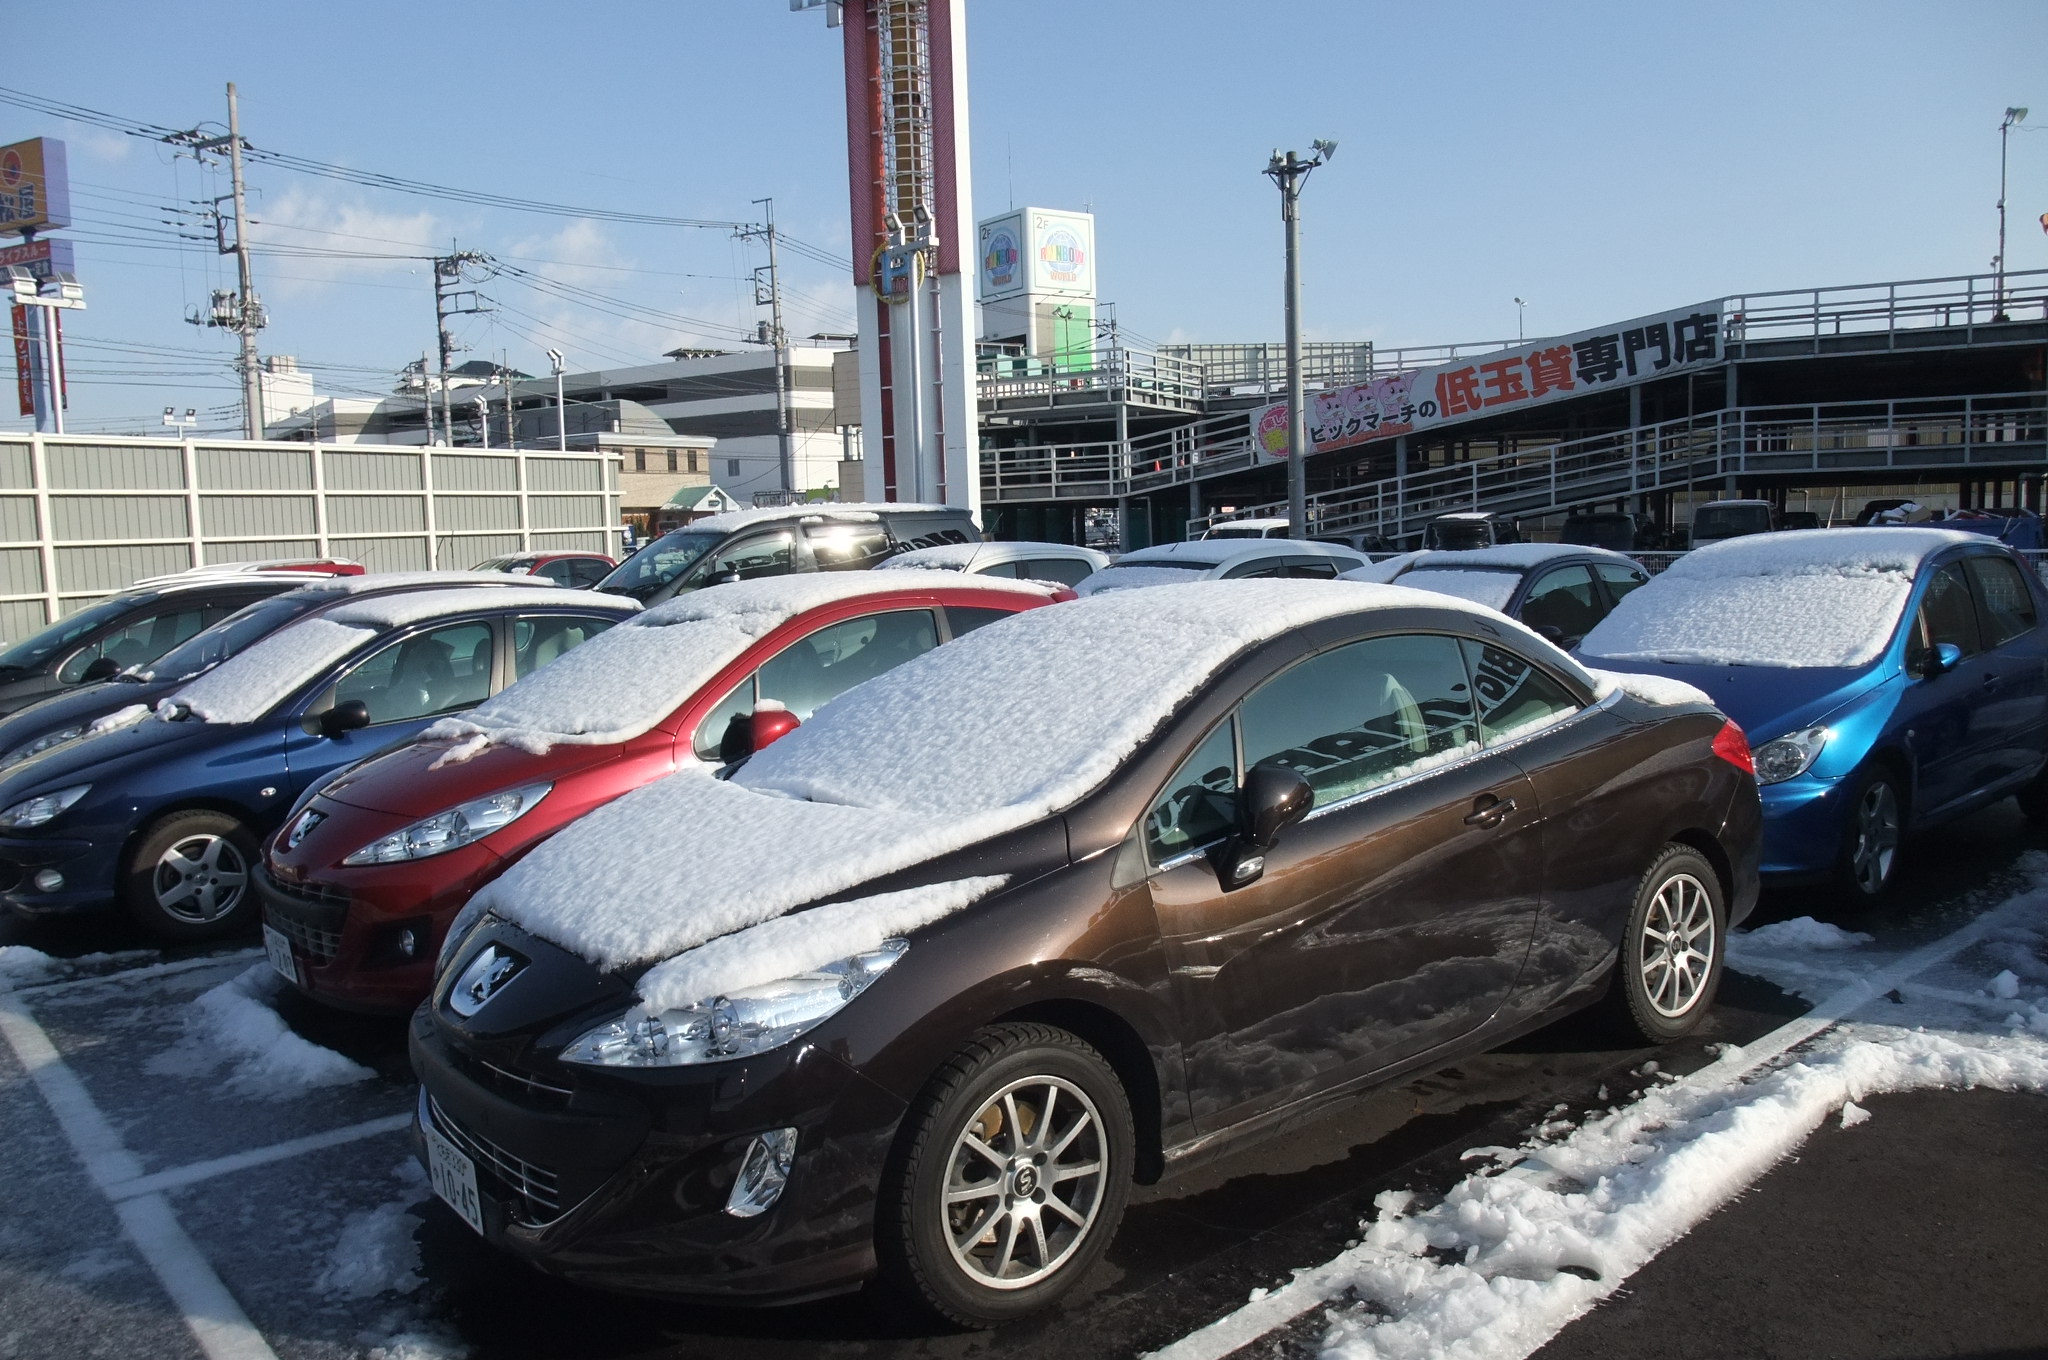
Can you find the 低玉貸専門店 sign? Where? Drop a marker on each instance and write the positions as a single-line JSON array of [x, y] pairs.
[[1538, 372]]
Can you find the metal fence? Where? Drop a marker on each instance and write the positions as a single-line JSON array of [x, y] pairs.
[[83, 517]]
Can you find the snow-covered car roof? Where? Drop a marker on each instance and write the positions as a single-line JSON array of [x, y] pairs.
[[1804, 598], [824, 512], [1215, 552], [371, 582], [1513, 556], [962, 556], [926, 759], [622, 682], [252, 682]]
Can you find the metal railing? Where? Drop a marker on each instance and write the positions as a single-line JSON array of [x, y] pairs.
[[1817, 316], [1106, 375]]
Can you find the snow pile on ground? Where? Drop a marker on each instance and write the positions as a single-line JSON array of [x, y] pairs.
[[625, 680], [376, 1253], [1802, 932], [21, 966], [249, 684], [790, 945], [234, 1025], [1814, 598], [1491, 588], [1659, 690]]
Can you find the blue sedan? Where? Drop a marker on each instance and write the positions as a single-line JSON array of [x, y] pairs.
[[163, 810], [1888, 678]]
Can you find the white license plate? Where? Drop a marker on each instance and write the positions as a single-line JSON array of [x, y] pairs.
[[280, 951], [454, 1178]]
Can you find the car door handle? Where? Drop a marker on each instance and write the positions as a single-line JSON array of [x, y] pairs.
[[1489, 811]]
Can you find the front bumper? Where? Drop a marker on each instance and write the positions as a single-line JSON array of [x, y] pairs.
[[621, 1183], [88, 878], [347, 940], [1804, 821]]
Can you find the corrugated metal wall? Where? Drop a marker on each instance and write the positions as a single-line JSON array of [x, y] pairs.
[[82, 518]]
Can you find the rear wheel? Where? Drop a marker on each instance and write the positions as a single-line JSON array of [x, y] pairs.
[[1869, 857], [1011, 1178], [189, 877], [1671, 949]]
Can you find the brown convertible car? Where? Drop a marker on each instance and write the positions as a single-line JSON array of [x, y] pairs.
[[920, 990]]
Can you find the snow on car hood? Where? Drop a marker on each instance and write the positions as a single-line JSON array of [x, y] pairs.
[[974, 739], [1828, 598], [625, 680]]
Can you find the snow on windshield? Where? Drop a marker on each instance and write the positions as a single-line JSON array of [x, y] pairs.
[[1491, 588], [249, 684], [1808, 598], [947, 557], [1119, 576], [625, 680]]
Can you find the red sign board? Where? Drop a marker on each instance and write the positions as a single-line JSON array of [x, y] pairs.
[[24, 383]]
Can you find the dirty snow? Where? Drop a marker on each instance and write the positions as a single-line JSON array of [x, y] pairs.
[[790, 945], [235, 1026], [627, 679], [1659, 690], [21, 966], [1811, 598], [249, 684]]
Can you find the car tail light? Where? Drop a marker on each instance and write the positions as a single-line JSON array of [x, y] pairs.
[[1733, 747]]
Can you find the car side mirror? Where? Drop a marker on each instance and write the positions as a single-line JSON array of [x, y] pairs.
[[346, 716], [1274, 797], [1940, 659], [102, 668], [749, 732]]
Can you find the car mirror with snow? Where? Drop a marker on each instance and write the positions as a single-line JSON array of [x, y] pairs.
[[1940, 659], [346, 716]]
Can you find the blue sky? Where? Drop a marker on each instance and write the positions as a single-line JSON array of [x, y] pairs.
[[1598, 160]]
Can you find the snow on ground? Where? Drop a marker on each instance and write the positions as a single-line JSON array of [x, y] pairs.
[[21, 966], [1541, 1233], [376, 1253], [235, 1026]]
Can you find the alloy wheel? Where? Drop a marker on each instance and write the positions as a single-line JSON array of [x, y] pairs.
[[1877, 837], [1024, 1182], [1678, 945], [200, 879]]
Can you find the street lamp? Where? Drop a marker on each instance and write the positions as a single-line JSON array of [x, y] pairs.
[[1998, 294], [1288, 171], [181, 423], [59, 290], [1519, 305], [561, 407]]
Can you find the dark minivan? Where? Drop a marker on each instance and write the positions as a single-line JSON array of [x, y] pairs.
[[745, 545]]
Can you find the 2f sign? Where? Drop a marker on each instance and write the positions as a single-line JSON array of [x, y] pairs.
[[35, 188]]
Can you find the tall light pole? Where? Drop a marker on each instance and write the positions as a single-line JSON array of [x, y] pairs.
[[1519, 305], [2004, 130], [561, 406], [1288, 171]]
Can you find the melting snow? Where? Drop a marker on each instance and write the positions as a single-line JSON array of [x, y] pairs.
[[376, 1253], [234, 1025]]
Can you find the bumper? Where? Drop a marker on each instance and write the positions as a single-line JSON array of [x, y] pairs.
[[88, 878], [1804, 820], [623, 1187], [349, 946]]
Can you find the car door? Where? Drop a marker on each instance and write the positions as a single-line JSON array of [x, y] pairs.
[[1937, 711], [2011, 722], [407, 684], [1390, 920], [813, 670]]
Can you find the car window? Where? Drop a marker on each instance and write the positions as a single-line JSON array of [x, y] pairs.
[[755, 557], [439, 671], [711, 743], [2005, 606], [847, 547], [558, 572], [966, 618], [1946, 614], [1363, 714], [541, 638], [1562, 599], [1513, 695], [827, 663], [138, 642], [1312, 568], [1068, 571], [1005, 570], [1199, 805], [587, 571], [1621, 580], [1257, 569]]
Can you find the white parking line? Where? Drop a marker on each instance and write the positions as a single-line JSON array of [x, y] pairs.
[[1311, 1288], [178, 1177], [217, 1322]]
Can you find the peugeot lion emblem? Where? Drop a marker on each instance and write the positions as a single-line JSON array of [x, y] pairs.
[[485, 977]]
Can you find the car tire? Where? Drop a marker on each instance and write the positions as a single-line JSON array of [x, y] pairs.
[[1671, 949], [1867, 864], [191, 877], [979, 1259]]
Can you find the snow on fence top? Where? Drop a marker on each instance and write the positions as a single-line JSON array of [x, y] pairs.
[[1806, 598], [976, 738], [622, 682]]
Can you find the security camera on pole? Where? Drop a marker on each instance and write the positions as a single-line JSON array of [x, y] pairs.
[[1288, 171]]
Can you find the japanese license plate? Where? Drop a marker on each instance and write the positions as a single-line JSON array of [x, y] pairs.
[[454, 1178], [280, 951]]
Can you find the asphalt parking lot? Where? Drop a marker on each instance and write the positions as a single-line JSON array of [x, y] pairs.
[[164, 1151]]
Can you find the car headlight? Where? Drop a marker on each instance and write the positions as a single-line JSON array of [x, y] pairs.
[[747, 1021], [1790, 755], [450, 830], [41, 744], [41, 808]]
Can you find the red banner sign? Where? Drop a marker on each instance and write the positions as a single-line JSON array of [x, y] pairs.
[[23, 378]]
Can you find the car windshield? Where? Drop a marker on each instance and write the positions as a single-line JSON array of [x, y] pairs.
[[512, 563], [208, 649], [39, 647], [1728, 521], [1491, 588], [644, 573]]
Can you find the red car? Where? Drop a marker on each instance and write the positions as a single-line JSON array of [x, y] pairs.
[[361, 882], [576, 570]]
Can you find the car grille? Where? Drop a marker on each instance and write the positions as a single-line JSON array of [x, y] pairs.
[[519, 1083], [534, 1186], [310, 917]]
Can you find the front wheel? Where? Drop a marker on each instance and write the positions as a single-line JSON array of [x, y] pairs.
[[1011, 1177], [189, 877], [1671, 948], [1869, 858]]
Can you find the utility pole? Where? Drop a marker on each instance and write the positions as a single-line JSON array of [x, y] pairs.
[[505, 372], [771, 298], [1288, 172], [447, 303], [241, 312]]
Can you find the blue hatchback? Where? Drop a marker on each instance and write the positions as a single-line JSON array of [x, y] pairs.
[[1888, 678], [163, 810]]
